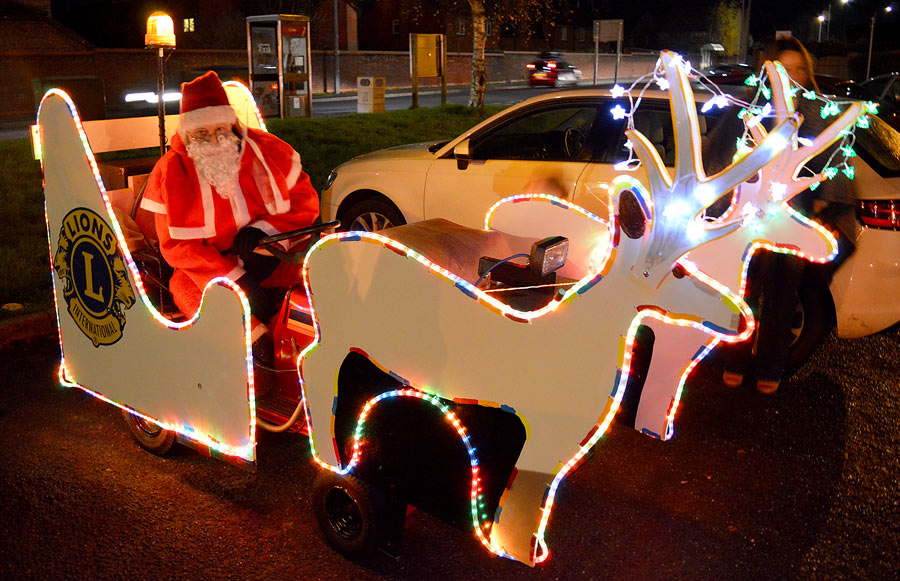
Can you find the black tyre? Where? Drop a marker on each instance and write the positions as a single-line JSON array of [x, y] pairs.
[[809, 325], [347, 512], [150, 436], [371, 215]]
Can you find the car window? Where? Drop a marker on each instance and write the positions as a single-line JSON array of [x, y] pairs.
[[656, 125], [877, 85], [879, 146], [893, 95], [558, 134]]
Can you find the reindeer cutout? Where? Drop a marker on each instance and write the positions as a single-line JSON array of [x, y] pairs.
[[563, 368], [766, 221]]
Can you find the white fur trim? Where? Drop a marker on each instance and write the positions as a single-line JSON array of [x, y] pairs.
[[152, 206], [236, 273], [296, 168], [206, 116], [282, 204]]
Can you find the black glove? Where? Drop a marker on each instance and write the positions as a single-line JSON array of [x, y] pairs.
[[246, 240]]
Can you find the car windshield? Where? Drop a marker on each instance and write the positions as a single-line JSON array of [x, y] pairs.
[[877, 85]]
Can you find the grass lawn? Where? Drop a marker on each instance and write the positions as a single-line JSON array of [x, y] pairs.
[[323, 144]]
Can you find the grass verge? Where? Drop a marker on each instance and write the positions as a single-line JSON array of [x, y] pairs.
[[323, 144]]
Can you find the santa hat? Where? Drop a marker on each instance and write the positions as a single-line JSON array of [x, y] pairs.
[[204, 102]]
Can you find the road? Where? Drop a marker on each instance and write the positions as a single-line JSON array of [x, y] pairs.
[[799, 484], [336, 105], [333, 106]]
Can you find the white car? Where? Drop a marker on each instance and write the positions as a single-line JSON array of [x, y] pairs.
[[562, 143]]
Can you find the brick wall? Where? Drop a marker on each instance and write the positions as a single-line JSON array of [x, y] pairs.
[[505, 67], [121, 71]]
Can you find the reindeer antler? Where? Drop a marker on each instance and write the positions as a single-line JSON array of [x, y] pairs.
[[779, 180], [677, 225]]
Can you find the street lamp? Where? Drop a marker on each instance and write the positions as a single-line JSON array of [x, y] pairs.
[[821, 19], [161, 36], [887, 9], [830, 18]]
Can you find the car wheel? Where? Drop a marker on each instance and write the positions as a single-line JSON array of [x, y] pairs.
[[345, 508], [809, 325], [372, 215], [151, 437]]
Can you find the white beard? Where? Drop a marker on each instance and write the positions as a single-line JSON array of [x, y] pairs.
[[218, 163]]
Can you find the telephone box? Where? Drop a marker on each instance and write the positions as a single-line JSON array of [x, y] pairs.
[[278, 52]]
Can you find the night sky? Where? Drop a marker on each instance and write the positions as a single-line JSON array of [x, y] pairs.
[[850, 21], [767, 16]]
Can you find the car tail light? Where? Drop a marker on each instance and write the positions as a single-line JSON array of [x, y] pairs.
[[881, 214], [529, 66], [551, 65]]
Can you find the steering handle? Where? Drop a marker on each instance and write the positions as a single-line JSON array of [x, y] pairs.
[[299, 233]]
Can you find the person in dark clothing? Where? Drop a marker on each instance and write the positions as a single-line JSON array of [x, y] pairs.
[[774, 279]]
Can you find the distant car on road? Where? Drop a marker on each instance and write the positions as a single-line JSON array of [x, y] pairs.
[[551, 71]]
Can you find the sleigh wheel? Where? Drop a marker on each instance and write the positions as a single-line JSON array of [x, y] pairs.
[[151, 437], [346, 510]]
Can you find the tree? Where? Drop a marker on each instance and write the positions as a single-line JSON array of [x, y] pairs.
[[508, 14], [522, 16], [479, 41], [726, 25]]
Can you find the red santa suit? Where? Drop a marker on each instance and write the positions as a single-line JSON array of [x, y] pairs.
[[196, 225]]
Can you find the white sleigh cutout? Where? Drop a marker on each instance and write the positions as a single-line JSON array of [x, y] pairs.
[[193, 377], [441, 335]]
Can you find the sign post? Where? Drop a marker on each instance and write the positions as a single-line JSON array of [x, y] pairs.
[[608, 31]]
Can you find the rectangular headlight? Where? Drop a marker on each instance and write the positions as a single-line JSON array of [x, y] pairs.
[[549, 254]]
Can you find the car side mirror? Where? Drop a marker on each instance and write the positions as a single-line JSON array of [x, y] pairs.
[[461, 153]]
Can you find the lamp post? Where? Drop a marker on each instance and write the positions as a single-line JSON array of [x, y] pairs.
[[821, 19], [830, 14], [160, 36], [888, 9]]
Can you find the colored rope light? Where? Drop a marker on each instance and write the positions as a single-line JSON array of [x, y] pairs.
[[542, 552], [481, 521], [554, 200], [246, 452]]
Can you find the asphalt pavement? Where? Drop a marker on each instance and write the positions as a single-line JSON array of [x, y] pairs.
[[801, 484]]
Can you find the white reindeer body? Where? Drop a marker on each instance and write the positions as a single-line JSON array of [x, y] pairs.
[[556, 368], [766, 222], [563, 368]]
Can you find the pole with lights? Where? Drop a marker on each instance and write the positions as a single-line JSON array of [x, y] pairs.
[[821, 19], [888, 9], [160, 36]]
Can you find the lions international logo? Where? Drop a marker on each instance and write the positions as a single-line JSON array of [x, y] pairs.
[[95, 282]]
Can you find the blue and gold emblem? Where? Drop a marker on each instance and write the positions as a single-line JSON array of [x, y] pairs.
[[95, 281]]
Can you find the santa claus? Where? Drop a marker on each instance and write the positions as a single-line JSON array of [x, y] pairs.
[[220, 189]]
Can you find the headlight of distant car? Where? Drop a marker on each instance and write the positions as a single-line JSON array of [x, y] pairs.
[[330, 179]]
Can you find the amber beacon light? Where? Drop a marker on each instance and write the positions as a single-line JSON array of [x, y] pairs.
[[160, 36], [160, 31]]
